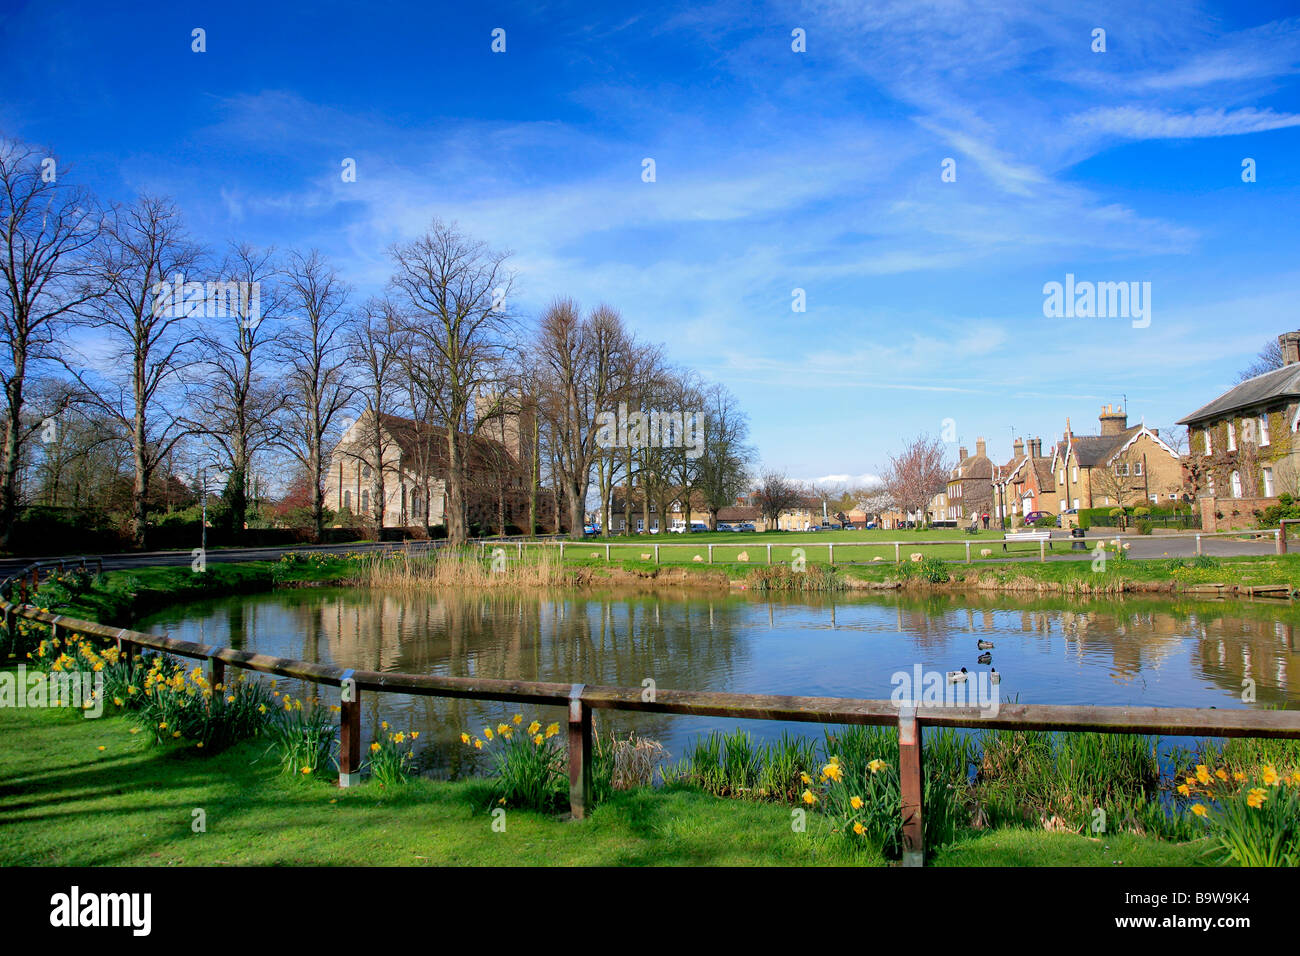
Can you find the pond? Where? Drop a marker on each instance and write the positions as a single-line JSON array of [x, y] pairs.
[[1101, 651]]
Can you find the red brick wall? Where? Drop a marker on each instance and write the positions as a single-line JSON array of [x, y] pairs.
[[1237, 512]]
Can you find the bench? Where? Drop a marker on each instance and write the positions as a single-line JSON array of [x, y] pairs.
[[1035, 536]]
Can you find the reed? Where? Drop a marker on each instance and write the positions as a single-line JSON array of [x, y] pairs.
[[462, 569]]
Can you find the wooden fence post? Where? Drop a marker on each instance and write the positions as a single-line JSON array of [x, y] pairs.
[[607, 554], [216, 674], [769, 554], [1198, 545], [1281, 540], [579, 753], [1042, 550], [898, 559], [912, 785], [710, 554], [968, 552], [830, 552], [349, 732]]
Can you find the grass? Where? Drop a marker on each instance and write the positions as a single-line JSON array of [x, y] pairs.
[[64, 802]]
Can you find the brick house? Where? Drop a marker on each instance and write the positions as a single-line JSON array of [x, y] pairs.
[[970, 486], [1120, 467], [1025, 484], [1241, 446]]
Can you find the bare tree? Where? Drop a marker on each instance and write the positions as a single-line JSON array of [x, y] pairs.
[[374, 339], [316, 356], [454, 292], [917, 473], [151, 332], [241, 404], [723, 468], [46, 230], [581, 358], [1268, 359], [776, 493]]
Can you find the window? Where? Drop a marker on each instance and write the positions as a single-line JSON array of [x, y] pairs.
[[1121, 468], [1209, 484], [1076, 504], [1064, 506], [1075, 475], [365, 500], [1263, 429], [1236, 484], [1206, 435], [1062, 478], [1155, 499], [1268, 482], [347, 501], [1232, 436], [1137, 467]]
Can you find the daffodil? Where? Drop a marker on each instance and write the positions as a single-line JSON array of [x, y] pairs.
[[518, 719], [808, 797], [1256, 797], [858, 828], [855, 803], [1202, 773], [877, 765], [1271, 777], [374, 748]]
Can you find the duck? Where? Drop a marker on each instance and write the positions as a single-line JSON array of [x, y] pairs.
[[994, 676], [985, 658], [984, 645], [956, 677]]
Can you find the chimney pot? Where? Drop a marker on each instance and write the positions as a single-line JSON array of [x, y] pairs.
[[961, 453]]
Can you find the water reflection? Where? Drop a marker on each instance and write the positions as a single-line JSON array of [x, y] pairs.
[[1101, 651]]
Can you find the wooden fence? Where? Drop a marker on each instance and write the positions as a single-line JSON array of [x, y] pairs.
[[582, 699]]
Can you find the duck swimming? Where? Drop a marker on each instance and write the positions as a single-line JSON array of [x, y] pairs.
[[985, 658], [957, 677], [984, 645]]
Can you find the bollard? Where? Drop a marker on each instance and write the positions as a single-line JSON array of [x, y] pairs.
[[830, 552], [897, 558], [769, 554], [968, 552], [656, 554], [1281, 540], [1042, 550], [710, 554], [1198, 545], [579, 752], [912, 786]]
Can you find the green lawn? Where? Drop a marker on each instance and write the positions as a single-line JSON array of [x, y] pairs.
[[65, 802]]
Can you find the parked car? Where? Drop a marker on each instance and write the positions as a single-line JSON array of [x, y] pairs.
[[590, 529], [724, 526], [698, 526], [871, 525], [1040, 519], [745, 526]]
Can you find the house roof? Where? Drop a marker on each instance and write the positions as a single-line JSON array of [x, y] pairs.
[[1261, 390], [425, 445]]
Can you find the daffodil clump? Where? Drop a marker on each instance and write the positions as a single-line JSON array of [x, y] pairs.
[[865, 805], [1255, 817], [180, 704], [302, 737], [391, 757], [123, 679], [529, 761]]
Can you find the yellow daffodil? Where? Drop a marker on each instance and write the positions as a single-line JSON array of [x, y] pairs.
[[877, 765], [808, 797], [464, 738], [487, 732], [552, 730], [1271, 777], [534, 727], [1203, 773], [832, 771], [803, 777], [478, 745], [537, 739], [858, 828], [374, 748], [306, 770], [1199, 809], [1221, 774], [518, 719], [1184, 789], [1256, 797], [855, 803]]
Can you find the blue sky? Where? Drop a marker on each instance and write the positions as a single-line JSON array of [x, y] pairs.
[[775, 170]]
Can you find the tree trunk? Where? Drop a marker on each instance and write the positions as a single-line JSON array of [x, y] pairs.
[[455, 513]]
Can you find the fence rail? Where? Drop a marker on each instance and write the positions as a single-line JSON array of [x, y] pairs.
[[582, 699], [653, 547]]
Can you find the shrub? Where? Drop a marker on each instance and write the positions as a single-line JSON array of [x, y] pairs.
[[1144, 527], [934, 570]]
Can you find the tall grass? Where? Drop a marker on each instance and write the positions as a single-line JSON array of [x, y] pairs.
[[464, 568]]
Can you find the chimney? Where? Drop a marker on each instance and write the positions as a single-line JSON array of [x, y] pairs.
[[979, 448], [1290, 343], [1035, 448], [1113, 420], [1017, 448], [961, 453]]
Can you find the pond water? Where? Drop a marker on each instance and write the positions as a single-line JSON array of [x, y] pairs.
[[1137, 651]]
